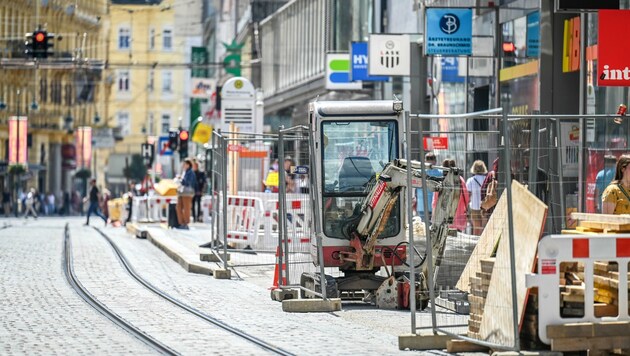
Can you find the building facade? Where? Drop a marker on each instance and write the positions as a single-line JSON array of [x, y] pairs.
[[148, 76], [56, 94]]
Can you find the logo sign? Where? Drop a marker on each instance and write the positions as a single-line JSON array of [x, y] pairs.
[[533, 34], [338, 72], [147, 154], [435, 143], [359, 58], [389, 55], [548, 266], [448, 32], [202, 88], [613, 67], [163, 149], [377, 194], [18, 149], [299, 169]]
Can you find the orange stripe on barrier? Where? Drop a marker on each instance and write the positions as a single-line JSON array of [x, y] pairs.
[[581, 248]]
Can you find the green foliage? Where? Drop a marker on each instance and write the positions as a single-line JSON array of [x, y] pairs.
[[83, 173], [136, 170], [17, 169]]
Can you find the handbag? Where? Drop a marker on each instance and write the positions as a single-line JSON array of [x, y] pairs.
[[490, 200], [185, 190]]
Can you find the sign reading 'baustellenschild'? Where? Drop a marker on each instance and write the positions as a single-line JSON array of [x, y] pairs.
[[612, 62], [389, 55], [448, 32]]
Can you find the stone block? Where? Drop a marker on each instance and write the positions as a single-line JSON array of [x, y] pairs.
[[311, 305]]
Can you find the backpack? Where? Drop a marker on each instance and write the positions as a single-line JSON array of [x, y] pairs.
[[490, 200]]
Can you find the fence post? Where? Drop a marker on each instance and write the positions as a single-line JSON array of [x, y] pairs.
[[563, 209], [224, 152], [412, 274], [508, 189], [282, 212]]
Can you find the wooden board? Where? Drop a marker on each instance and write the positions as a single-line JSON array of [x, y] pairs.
[[610, 218], [529, 215], [606, 226], [487, 241]]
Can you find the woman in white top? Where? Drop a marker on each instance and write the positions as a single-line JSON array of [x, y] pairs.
[[473, 184]]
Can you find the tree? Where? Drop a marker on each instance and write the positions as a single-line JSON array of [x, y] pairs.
[[136, 169]]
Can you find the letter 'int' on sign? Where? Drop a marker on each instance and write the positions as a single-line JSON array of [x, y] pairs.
[[613, 66]]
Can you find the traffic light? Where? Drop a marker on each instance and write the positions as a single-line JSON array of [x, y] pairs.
[[39, 44], [183, 144], [173, 140]]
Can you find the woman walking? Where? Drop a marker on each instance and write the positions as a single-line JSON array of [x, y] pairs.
[[185, 194], [473, 184]]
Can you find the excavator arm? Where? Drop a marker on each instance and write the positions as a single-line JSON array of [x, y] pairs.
[[384, 191]]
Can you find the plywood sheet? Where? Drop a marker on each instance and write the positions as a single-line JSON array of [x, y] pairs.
[[487, 241], [529, 215]]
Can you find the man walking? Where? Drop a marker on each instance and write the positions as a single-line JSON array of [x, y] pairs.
[[94, 196], [29, 204]]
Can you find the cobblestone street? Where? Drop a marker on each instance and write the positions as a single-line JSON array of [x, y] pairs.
[[41, 314]]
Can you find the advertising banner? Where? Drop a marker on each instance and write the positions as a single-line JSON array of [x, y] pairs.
[[84, 146], [448, 32], [359, 57], [18, 152], [613, 43], [338, 73], [389, 55]]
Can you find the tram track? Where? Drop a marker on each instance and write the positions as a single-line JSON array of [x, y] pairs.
[[100, 307], [188, 308]]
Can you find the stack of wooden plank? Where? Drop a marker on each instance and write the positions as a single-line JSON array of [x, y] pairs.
[[479, 291], [600, 223], [594, 337], [529, 328], [571, 289]]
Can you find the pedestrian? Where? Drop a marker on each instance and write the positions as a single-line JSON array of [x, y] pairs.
[[460, 220], [94, 199], [473, 184], [29, 204], [106, 196], [66, 203], [50, 202], [201, 187], [129, 195], [271, 181], [603, 179], [185, 193], [289, 177], [616, 197], [429, 158], [6, 202]]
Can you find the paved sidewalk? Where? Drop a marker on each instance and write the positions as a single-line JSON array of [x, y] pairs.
[[249, 307], [39, 312]]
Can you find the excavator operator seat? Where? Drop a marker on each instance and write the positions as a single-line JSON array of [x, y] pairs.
[[354, 174]]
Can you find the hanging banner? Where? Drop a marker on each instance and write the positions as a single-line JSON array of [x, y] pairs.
[[359, 58], [84, 146], [338, 72], [389, 55], [18, 133], [612, 61], [448, 32], [533, 34]]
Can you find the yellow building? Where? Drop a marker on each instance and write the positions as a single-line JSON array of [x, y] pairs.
[[147, 74], [55, 94]]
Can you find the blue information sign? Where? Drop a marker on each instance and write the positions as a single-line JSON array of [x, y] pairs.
[[359, 59], [449, 32], [450, 70], [533, 34], [163, 149]]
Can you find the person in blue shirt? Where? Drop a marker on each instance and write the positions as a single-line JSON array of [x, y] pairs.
[[603, 179], [433, 172]]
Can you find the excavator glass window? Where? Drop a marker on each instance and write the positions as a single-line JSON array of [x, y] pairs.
[[353, 152]]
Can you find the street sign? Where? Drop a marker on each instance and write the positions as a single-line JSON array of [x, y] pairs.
[[163, 148], [103, 138], [148, 152]]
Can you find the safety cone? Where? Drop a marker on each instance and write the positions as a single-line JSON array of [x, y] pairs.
[[276, 272]]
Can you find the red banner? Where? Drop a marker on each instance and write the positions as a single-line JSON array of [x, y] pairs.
[[84, 146], [612, 47], [435, 143], [18, 129]]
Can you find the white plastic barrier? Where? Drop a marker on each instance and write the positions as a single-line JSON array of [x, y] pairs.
[[139, 209], [158, 207], [243, 218], [206, 209], [555, 249], [298, 221]]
